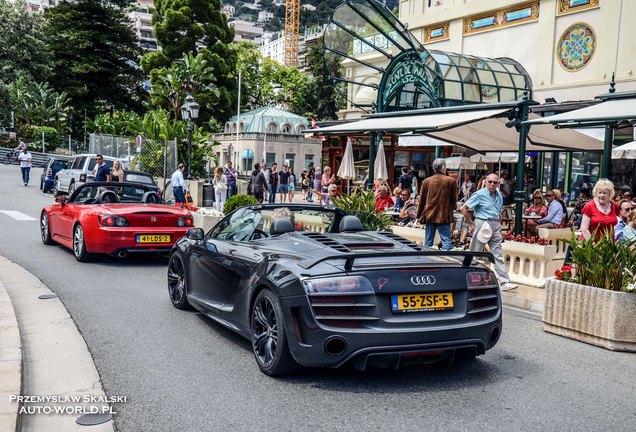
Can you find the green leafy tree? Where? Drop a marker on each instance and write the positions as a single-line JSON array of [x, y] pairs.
[[95, 52], [113, 124], [23, 52], [158, 126], [196, 27], [188, 75], [323, 99], [38, 104]]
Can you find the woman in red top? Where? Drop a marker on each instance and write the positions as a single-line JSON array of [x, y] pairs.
[[600, 214]]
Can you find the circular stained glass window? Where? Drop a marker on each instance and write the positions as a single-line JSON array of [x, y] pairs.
[[576, 47]]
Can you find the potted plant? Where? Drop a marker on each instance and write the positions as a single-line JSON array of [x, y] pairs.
[[594, 299], [362, 204]]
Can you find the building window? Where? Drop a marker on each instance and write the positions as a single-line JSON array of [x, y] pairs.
[[247, 158], [309, 160], [289, 159], [270, 159]]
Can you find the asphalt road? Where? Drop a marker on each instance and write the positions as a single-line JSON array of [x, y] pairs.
[[181, 371]]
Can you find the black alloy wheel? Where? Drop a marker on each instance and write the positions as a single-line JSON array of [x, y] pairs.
[[177, 283], [79, 244], [45, 231], [269, 340]]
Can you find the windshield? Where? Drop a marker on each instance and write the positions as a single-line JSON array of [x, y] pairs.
[[248, 224]]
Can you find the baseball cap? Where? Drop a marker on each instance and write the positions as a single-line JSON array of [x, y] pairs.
[[485, 233]]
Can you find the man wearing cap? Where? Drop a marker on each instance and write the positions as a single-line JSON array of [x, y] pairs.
[[486, 226]]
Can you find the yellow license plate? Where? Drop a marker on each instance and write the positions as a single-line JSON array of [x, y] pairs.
[[421, 302], [153, 238]]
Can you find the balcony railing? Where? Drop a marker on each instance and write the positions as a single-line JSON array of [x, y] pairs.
[[259, 136]]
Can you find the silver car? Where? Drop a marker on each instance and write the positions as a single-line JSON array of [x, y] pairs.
[[78, 170]]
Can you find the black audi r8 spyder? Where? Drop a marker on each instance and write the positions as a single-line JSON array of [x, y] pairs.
[[308, 286]]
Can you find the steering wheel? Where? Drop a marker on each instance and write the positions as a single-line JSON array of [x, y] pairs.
[[258, 234]]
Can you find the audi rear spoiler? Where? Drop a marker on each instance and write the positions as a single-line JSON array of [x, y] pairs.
[[351, 257]]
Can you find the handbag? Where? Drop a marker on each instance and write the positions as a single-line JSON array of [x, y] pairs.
[[188, 198]]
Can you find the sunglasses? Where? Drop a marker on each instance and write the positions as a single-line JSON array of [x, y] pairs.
[[538, 197], [492, 181], [629, 209], [550, 195]]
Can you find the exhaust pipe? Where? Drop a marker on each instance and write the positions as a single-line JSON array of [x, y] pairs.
[[495, 332], [122, 253], [335, 346]]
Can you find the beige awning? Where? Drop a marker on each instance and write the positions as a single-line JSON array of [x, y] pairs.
[[608, 111], [408, 123], [482, 129], [492, 135]]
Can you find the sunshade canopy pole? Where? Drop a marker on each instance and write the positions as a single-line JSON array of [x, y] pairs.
[[607, 151], [372, 147], [520, 192]]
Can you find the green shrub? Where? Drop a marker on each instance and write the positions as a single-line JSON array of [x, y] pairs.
[[604, 263], [236, 201], [362, 204]]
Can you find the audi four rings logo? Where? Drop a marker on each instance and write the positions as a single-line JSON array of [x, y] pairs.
[[423, 280]]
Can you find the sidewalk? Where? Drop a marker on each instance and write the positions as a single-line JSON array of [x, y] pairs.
[[42, 354]]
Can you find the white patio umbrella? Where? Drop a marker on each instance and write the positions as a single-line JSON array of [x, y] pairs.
[[497, 157], [380, 171], [462, 163], [347, 170], [626, 151]]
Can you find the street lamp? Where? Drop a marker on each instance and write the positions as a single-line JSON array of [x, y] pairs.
[[190, 112]]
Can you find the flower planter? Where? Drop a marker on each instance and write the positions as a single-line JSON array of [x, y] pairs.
[[592, 315], [205, 221], [557, 237], [528, 262]]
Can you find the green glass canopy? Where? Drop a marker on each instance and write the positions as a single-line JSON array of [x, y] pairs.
[[362, 32]]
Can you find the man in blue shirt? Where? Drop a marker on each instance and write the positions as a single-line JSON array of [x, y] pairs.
[[625, 206], [179, 187], [102, 171], [486, 204]]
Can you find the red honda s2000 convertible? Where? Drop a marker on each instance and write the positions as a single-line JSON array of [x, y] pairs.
[[113, 218]]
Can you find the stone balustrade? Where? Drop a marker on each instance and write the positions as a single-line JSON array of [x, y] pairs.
[[206, 222], [527, 263], [418, 235], [557, 237]]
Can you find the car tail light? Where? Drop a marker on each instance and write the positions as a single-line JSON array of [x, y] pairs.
[[185, 221], [338, 285], [109, 220], [49, 172], [82, 178], [481, 279]]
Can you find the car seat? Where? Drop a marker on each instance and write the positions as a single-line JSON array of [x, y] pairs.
[[150, 197], [108, 197], [350, 224], [281, 226]]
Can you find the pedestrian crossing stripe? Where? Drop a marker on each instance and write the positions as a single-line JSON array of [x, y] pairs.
[[17, 215]]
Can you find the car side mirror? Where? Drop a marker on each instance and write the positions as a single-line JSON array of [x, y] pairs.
[[195, 234], [61, 199]]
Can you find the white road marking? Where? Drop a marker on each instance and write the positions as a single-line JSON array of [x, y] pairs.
[[17, 215]]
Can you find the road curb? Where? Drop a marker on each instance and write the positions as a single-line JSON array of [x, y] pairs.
[[10, 362], [55, 360]]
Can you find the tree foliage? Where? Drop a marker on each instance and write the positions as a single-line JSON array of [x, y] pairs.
[[23, 52], [324, 100], [197, 28], [95, 53], [37, 104]]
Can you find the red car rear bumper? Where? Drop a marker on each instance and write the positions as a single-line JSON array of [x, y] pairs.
[[110, 240]]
